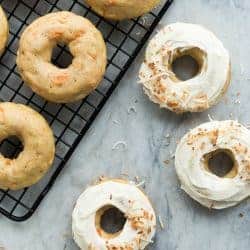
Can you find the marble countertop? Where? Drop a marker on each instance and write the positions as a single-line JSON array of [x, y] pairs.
[[188, 226]]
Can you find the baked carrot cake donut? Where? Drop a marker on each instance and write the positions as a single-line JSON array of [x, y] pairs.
[[213, 163], [38, 146], [4, 31], [122, 9], [202, 91], [86, 45], [139, 217]]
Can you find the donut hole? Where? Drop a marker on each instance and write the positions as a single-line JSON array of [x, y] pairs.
[[61, 56], [11, 147], [221, 163], [187, 64], [109, 221]]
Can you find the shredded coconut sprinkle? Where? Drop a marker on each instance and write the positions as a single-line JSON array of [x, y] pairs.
[[140, 184], [167, 143], [242, 70], [161, 223], [132, 110], [167, 135], [137, 178], [116, 122], [123, 145], [210, 118]]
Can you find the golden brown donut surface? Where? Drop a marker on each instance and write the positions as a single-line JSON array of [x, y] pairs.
[[4, 31], [86, 45], [38, 146], [122, 9]]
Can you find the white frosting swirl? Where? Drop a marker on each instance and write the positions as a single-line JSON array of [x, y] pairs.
[[138, 229], [198, 93], [201, 184]]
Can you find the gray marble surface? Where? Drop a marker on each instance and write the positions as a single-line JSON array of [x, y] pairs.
[[187, 225]]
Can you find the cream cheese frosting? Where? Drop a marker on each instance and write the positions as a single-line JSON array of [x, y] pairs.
[[202, 185], [138, 229], [198, 93]]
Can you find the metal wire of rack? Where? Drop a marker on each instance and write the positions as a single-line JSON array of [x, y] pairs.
[[69, 121]]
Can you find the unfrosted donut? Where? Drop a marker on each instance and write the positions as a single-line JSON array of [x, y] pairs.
[[195, 150], [122, 9], [138, 229], [4, 31], [86, 45], [38, 146], [198, 93]]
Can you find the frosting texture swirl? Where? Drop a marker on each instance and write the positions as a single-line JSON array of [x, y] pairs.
[[198, 93], [138, 229], [191, 165]]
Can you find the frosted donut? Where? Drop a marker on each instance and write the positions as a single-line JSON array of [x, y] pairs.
[[197, 148], [4, 31], [138, 229], [86, 45], [122, 9], [198, 93], [38, 146]]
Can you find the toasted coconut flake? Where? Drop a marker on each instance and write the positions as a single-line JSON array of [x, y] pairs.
[[166, 162], [149, 241], [166, 74]]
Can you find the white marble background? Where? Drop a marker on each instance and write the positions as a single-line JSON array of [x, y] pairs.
[[188, 226]]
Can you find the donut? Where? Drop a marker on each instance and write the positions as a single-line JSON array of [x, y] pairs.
[[121, 9], [202, 91], [140, 224], [194, 153], [38, 146], [4, 31], [86, 45]]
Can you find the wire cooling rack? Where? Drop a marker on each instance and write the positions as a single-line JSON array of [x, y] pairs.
[[68, 121]]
